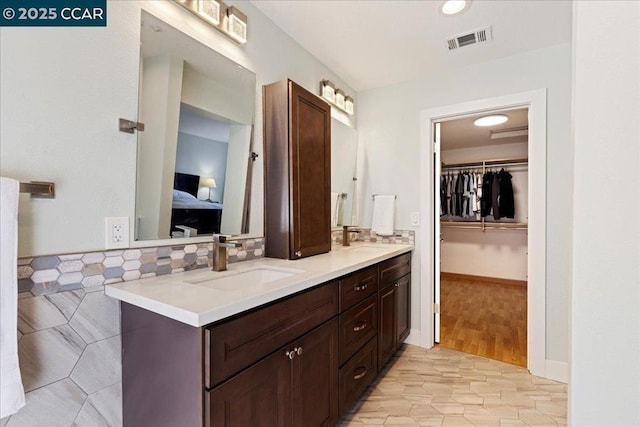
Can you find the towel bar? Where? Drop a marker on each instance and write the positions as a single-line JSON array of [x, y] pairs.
[[38, 189]]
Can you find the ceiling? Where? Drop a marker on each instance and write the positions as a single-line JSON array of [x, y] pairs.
[[376, 43], [462, 133]]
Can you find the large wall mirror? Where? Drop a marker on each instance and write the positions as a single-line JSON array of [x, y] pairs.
[[344, 148], [193, 166]]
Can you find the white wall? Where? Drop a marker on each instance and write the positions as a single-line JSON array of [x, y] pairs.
[[161, 86], [389, 130], [204, 157], [63, 90], [605, 314]]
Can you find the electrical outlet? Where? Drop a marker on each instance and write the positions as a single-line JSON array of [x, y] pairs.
[[117, 232], [415, 218]]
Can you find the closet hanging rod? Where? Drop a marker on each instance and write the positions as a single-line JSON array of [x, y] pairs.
[[492, 162], [484, 226], [43, 190]]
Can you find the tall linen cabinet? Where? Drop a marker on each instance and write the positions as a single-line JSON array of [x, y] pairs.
[[297, 143]]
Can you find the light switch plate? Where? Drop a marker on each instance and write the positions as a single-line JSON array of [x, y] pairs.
[[415, 218]]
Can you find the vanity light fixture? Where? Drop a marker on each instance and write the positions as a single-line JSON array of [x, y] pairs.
[[336, 97], [237, 24], [340, 99], [348, 104], [209, 10], [226, 19], [328, 90], [492, 120]]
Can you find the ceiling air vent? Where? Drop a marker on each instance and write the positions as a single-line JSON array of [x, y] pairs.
[[479, 36]]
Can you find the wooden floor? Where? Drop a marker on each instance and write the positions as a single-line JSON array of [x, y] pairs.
[[485, 319]]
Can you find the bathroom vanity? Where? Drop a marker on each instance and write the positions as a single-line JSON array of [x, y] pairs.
[[269, 342]]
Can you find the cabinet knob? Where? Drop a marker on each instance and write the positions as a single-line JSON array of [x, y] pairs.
[[360, 326], [298, 350], [396, 284], [298, 253], [362, 373], [360, 287], [291, 354]]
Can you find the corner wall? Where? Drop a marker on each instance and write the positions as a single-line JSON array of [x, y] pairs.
[[605, 312]]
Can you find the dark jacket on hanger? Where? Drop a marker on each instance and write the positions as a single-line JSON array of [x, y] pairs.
[[507, 205], [495, 196], [485, 201]]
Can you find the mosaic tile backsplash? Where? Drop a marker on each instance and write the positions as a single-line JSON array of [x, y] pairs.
[[58, 273], [405, 237]]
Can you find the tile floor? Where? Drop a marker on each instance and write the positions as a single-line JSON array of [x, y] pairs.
[[442, 387]]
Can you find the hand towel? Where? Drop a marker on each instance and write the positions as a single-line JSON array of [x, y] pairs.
[[334, 209], [383, 214], [11, 389]]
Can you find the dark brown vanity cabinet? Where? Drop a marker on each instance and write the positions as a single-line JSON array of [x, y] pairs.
[[297, 148], [303, 360], [394, 300], [295, 386]]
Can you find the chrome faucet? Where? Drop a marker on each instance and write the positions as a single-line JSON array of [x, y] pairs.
[[220, 245], [346, 234]]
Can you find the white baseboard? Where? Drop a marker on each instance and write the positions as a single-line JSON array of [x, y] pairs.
[[414, 337], [557, 371]]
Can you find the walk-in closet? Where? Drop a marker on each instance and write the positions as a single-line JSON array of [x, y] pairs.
[[483, 204]]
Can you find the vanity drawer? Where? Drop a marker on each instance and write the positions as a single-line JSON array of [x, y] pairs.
[[232, 346], [357, 326], [357, 374], [394, 269], [357, 286]]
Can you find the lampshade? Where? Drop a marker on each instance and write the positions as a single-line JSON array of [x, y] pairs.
[[209, 182], [340, 98], [209, 10]]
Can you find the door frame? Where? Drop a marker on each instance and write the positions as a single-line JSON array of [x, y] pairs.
[[536, 102]]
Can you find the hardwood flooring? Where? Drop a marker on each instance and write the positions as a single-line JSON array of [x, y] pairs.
[[485, 319], [442, 387]]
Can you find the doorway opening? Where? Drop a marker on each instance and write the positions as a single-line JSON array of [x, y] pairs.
[[482, 203], [429, 242]]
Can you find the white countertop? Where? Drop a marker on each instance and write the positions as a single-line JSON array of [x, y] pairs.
[[197, 298]]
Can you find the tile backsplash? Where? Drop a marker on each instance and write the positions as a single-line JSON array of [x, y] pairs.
[[405, 237], [46, 275]]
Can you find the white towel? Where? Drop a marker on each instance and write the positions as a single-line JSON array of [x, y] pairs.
[[334, 209], [11, 389], [384, 210]]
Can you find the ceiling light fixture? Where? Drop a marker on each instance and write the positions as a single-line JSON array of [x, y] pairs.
[[237, 24], [452, 7], [492, 120]]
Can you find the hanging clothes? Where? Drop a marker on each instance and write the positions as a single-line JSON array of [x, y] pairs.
[[487, 181], [495, 196], [507, 204]]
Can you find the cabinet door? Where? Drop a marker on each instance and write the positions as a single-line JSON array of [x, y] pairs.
[[386, 325], [258, 396], [310, 160], [315, 377], [403, 309]]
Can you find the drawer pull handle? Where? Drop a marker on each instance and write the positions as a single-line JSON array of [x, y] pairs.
[[298, 350], [360, 287], [356, 377], [298, 253], [291, 354], [360, 326]]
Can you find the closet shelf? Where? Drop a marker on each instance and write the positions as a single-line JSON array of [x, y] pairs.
[[485, 225]]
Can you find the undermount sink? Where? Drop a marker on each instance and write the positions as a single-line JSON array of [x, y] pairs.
[[257, 276]]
